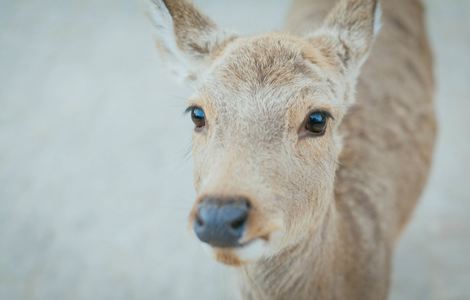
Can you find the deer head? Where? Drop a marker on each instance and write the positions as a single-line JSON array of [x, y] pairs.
[[267, 111]]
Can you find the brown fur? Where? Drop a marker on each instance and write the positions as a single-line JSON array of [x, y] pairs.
[[328, 209]]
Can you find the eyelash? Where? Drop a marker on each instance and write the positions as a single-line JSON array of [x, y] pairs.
[[189, 109]]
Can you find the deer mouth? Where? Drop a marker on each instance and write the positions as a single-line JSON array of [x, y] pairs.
[[248, 251], [243, 254]]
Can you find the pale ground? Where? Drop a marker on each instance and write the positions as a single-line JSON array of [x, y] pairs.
[[95, 180]]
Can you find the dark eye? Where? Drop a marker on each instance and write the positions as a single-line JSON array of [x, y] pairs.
[[316, 122], [198, 116]]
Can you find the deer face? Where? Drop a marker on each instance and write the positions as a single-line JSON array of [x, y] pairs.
[[266, 111]]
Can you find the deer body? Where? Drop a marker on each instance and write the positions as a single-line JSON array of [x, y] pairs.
[[321, 212], [383, 168]]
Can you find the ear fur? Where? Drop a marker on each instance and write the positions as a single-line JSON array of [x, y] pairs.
[[348, 33], [187, 39]]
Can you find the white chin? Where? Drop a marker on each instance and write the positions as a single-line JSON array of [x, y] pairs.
[[252, 251]]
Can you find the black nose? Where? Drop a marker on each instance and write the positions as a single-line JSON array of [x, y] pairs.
[[221, 222]]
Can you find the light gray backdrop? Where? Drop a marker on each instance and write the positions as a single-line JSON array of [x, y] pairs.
[[95, 180]]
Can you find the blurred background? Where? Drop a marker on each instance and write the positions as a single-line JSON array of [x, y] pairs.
[[95, 171]]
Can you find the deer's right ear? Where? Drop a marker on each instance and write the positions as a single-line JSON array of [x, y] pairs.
[[188, 40]]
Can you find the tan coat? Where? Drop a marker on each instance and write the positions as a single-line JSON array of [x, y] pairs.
[[326, 210]]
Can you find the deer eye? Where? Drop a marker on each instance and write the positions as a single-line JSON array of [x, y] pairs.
[[198, 116], [316, 122]]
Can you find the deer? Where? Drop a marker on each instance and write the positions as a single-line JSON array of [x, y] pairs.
[[311, 145]]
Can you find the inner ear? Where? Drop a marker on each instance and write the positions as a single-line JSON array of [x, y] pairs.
[[348, 32], [186, 38]]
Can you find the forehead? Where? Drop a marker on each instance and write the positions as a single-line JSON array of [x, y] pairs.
[[265, 74]]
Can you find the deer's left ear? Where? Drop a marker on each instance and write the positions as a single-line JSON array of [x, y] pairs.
[[348, 33], [187, 40]]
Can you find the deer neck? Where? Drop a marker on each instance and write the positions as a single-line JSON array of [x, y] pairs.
[[306, 269]]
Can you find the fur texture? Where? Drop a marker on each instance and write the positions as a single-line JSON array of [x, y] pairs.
[[326, 211]]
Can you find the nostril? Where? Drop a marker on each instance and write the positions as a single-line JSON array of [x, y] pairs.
[[237, 224], [199, 221]]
